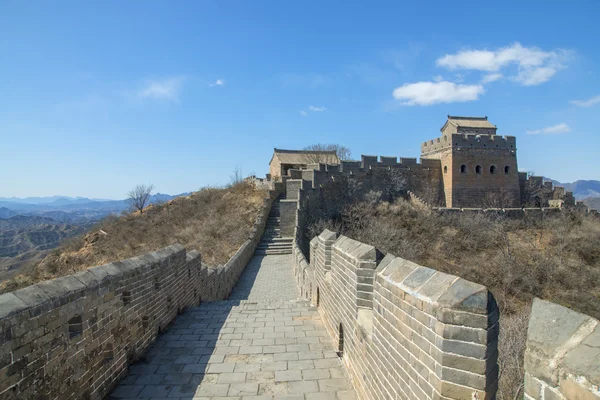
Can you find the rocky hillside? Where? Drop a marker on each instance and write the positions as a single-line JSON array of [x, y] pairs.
[[25, 239], [593, 202]]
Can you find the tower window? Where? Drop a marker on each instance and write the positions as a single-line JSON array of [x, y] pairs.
[[463, 169], [445, 169], [506, 169], [478, 169], [492, 169]]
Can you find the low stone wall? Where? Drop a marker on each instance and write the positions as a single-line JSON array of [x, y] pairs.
[[515, 213], [562, 360], [403, 331], [73, 337]]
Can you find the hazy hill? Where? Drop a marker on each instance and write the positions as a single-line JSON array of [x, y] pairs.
[[582, 189], [6, 213], [25, 239], [63, 203], [593, 202]]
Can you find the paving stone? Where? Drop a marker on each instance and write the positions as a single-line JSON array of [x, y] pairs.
[[124, 391], [333, 385], [290, 375], [221, 368], [155, 391], [243, 389], [232, 377], [211, 390]]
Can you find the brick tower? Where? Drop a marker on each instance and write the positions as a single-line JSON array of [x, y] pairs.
[[479, 168]]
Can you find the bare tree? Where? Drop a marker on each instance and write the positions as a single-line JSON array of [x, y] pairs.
[[500, 198], [319, 155], [237, 176], [140, 195]]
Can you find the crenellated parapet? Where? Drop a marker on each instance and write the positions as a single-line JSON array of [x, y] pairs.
[[403, 330], [563, 353], [477, 141]]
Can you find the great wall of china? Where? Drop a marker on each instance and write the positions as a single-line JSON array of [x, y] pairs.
[[329, 319], [392, 328]]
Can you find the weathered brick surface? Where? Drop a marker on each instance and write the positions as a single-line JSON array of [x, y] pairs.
[[74, 337], [562, 360], [409, 332]]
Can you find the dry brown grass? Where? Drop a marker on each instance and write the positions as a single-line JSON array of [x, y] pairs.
[[555, 258], [214, 221]]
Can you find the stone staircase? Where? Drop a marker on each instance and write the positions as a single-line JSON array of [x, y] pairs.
[[272, 242]]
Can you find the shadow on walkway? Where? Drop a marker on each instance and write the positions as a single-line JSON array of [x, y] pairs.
[[263, 342]]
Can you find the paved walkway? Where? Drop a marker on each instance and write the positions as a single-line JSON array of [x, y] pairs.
[[263, 343]]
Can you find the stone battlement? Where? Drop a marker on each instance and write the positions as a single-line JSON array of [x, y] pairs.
[[402, 330], [479, 141]]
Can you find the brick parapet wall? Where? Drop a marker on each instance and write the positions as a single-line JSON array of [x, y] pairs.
[[563, 353], [73, 337], [514, 213], [471, 140], [408, 331]]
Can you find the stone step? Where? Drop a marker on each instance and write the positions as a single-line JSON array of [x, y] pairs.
[[272, 252], [277, 240], [274, 247]]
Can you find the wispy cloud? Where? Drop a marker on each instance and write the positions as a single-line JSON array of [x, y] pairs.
[[491, 78], [218, 82], [551, 130], [586, 103], [166, 89], [428, 93], [310, 109], [534, 65]]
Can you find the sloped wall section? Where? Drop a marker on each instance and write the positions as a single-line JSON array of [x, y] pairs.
[[562, 360], [403, 331], [74, 337]]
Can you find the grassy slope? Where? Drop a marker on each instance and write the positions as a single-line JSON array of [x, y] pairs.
[[216, 222]]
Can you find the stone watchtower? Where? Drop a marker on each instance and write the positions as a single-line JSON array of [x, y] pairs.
[[479, 168]]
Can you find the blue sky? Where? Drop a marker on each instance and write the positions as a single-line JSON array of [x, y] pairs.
[[96, 97]]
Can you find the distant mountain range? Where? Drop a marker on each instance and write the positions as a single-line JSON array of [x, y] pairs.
[[49, 199], [103, 207]]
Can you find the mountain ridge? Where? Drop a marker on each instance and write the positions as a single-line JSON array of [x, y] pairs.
[[582, 189]]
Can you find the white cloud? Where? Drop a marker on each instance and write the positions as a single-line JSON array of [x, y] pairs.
[[218, 82], [438, 78], [535, 65], [586, 103], [166, 89], [427, 93], [549, 130], [491, 77], [304, 113]]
